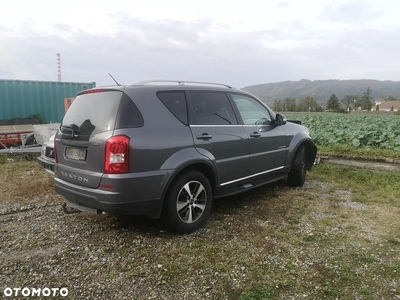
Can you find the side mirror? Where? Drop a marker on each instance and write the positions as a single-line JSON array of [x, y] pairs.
[[280, 120]]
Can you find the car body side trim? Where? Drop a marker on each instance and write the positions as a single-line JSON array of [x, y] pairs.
[[250, 176], [233, 125]]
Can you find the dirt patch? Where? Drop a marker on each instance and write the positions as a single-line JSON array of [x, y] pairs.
[[314, 242]]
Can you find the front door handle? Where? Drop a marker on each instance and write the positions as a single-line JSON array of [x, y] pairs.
[[204, 136], [255, 134]]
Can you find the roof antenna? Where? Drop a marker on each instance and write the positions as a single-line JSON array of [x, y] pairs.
[[113, 79]]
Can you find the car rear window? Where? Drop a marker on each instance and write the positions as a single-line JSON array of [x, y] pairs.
[[98, 112]]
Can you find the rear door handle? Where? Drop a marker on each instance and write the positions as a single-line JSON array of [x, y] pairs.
[[255, 134], [204, 136]]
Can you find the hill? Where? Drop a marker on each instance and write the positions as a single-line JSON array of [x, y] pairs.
[[321, 90]]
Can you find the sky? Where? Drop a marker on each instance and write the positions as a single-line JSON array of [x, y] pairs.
[[239, 43]]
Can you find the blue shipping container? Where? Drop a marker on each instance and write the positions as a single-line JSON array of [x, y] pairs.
[[23, 98]]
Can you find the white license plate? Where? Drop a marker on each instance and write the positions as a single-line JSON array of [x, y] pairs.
[[75, 153]]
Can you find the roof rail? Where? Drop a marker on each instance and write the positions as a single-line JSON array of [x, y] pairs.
[[180, 82]]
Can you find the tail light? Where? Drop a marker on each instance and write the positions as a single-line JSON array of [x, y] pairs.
[[117, 155], [55, 151]]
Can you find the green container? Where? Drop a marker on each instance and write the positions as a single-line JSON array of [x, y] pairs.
[[22, 98]]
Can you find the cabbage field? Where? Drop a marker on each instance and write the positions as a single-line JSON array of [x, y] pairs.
[[352, 130]]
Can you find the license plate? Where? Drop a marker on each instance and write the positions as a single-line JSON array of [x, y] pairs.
[[75, 153]]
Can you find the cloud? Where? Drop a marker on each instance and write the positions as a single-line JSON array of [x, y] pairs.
[[133, 49], [141, 49], [283, 4], [351, 12]]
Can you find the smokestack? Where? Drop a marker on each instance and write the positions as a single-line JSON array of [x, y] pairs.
[[58, 67]]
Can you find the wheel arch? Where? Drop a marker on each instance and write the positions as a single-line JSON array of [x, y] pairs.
[[311, 153], [311, 150], [202, 166]]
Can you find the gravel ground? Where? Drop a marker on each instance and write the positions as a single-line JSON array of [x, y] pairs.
[[297, 242]]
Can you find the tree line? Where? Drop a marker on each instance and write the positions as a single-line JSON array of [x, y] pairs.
[[309, 104], [303, 105]]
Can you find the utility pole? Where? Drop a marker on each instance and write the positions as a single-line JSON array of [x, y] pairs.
[[58, 67]]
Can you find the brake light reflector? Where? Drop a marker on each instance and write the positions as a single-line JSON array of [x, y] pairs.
[[116, 159], [94, 90]]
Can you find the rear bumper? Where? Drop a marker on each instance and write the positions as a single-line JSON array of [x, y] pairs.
[[47, 164], [137, 196]]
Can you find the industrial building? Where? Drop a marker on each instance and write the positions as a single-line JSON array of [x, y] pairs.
[[22, 98]]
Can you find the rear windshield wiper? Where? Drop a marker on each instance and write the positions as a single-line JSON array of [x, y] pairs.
[[73, 130]]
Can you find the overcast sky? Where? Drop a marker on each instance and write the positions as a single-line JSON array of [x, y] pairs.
[[239, 43]]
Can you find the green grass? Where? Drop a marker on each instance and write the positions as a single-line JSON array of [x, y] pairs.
[[372, 153], [367, 185], [338, 271], [337, 237], [257, 293]]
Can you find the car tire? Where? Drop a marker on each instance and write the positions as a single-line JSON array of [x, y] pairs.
[[188, 202], [297, 174]]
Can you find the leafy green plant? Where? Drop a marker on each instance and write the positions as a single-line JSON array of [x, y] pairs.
[[257, 293], [352, 130]]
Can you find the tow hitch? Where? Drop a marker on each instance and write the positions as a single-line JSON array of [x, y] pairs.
[[73, 208], [69, 210]]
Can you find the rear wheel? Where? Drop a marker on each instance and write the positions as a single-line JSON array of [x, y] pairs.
[[297, 174], [188, 202]]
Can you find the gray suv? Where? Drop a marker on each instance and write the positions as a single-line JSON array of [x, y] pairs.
[[166, 149]]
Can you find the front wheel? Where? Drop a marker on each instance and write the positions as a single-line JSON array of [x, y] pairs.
[[297, 174], [188, 202]]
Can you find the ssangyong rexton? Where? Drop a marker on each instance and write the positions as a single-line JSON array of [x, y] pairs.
[[166, 149]]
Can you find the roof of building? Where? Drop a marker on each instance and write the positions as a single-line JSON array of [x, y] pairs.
[[389, 104]]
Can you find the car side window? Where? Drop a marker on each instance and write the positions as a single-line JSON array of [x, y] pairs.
[[176, 103], [251, 111], [212, 108]]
